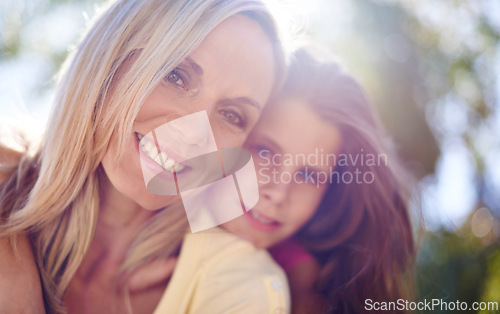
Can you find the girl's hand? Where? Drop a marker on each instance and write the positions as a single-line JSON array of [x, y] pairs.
[[151, 274]]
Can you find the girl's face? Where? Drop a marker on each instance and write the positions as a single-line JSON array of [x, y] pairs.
[[230, 76], [292, 149]]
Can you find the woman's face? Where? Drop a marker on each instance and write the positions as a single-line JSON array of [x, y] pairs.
[[292, 149], [230, 76]]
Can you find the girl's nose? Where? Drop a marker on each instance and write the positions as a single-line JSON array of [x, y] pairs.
[[275, 192]]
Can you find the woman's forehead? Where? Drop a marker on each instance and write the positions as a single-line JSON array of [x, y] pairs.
[[238, 52]]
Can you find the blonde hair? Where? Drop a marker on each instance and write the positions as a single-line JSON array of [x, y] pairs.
[[54, 195]]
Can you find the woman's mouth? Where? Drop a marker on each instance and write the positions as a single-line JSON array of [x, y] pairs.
[[149, 148]]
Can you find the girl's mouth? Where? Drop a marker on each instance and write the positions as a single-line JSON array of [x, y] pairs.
[[261, 222], [263, 219], [161, 158]]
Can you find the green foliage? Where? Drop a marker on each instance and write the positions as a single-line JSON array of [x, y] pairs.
[[492, 284], [458, 266], [451, 267]]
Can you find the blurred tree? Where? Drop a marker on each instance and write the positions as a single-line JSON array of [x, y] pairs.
[[459, 266], [459, 52], [452, 267], [432, 68], [35, 38], [457, 43], [370, 40], [492, 285]]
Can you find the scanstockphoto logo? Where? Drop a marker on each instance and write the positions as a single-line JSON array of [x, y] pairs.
[[181, 158], [318, 168]]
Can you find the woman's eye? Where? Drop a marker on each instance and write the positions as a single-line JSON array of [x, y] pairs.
[[176, 78], [233, 117]]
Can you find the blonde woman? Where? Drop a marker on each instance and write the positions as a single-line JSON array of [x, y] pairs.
[[77, 220]]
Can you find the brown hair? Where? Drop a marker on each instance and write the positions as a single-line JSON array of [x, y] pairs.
[[361, 233]]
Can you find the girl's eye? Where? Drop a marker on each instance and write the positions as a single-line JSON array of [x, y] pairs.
[[233, 117], [176, 78], [263, 155], [310, 176], [263, 151]]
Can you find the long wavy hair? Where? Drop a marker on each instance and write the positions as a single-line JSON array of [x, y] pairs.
[[361, 233], [53, 195]]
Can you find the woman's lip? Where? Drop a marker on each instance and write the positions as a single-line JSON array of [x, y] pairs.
[[166, 149], [154, 167], [260, 225]]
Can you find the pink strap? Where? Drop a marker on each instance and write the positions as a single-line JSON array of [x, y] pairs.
[[289, 253]]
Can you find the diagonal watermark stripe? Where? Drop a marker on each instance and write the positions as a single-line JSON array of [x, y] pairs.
[[181, 157]]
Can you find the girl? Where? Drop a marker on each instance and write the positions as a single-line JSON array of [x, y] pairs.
[[77, 211], [329, 189]]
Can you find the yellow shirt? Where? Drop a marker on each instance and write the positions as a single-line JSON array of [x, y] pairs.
[[218, 272]]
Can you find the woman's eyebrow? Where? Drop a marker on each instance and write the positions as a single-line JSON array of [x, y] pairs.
[[194, 66], [244, 101], [248, 101]]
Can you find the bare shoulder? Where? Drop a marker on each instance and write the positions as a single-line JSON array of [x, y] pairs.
[[8, 158], [20, 286], [9, 155]]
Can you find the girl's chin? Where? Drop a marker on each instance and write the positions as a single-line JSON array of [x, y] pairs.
[[239, 227]]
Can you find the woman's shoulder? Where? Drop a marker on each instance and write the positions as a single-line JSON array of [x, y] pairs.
[[20, 286], [8, 154], [8, 159]]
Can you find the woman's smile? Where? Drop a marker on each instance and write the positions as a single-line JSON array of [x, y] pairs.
[[156, 152]]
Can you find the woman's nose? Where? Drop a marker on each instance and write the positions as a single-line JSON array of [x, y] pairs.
[[192, 129], [195, 135]]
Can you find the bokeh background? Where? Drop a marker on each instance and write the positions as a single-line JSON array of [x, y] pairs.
[[431, 68]]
